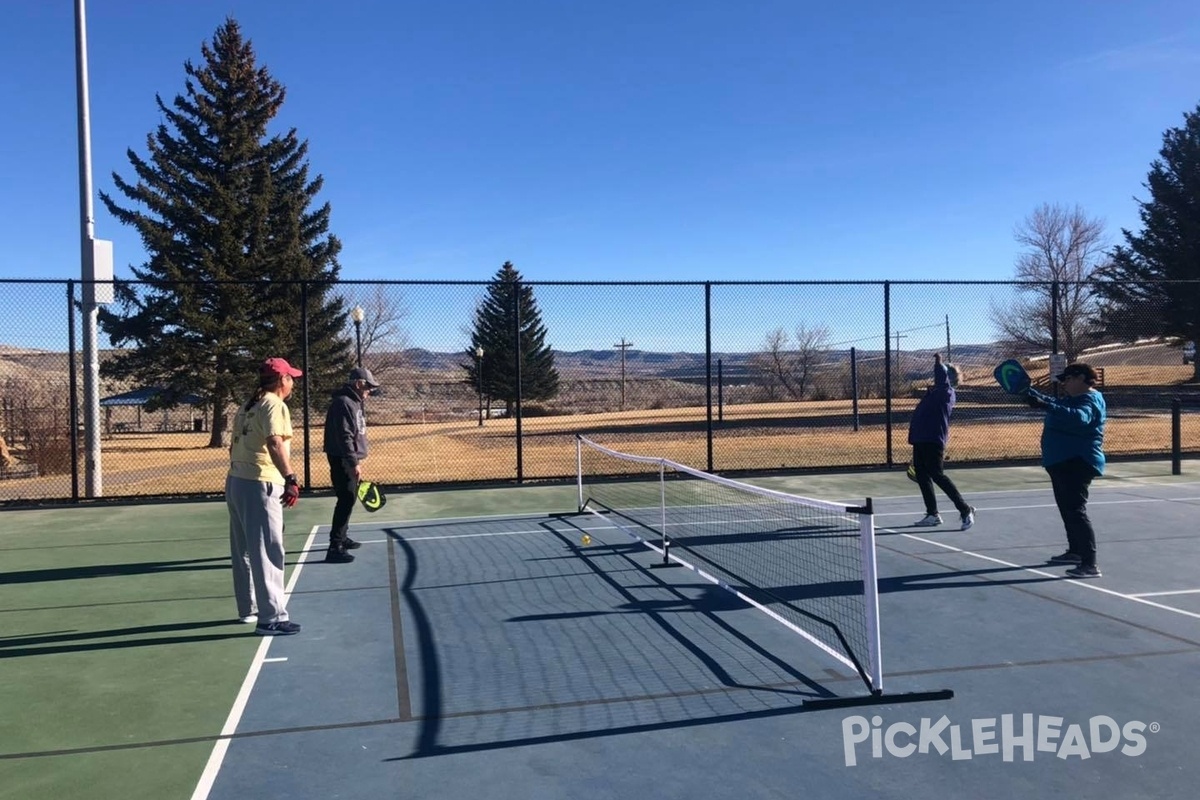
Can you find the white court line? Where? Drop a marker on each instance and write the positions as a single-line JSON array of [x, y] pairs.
[[410, 522], [1081, 583], [215, 759], [1163, 594], [1122, 486], [1052, 505], [274, 660]]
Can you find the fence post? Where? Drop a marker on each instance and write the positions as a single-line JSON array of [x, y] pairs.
[[708, 369], [887, 366], [74, 392], [1176, 437], [307, 381], [720, 390], [854, 386], [516, 290]]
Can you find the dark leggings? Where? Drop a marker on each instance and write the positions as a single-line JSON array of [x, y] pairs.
[[928, 460], [345, 486], [1071, 480]]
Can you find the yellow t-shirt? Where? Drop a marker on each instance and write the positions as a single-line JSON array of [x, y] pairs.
[[248, 456]]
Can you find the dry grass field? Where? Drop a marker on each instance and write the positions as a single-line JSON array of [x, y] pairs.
[[769, 436]]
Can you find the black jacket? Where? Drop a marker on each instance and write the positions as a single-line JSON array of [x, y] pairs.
[[345, 426]]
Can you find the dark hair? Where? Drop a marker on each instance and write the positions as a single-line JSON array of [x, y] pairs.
[[1082, 369], [267, 382]]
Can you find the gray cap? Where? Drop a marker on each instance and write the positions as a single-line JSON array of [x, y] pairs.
[[363, 374]]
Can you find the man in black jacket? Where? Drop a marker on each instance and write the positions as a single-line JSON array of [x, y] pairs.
[[346, 449]]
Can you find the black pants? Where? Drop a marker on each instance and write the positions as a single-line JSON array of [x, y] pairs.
[[345, 486], [928, 461], [1071, 480]]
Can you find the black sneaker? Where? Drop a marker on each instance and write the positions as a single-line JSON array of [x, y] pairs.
[[1090, 571], [285, 628], [1065, 558], [337, 555], [350, 544]]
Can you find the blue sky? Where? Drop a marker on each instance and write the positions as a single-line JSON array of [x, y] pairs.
[[622, 140]]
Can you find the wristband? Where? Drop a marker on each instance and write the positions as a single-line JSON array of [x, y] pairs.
[[291, 479]]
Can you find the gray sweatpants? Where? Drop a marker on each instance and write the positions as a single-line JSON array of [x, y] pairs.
[[256, 548]]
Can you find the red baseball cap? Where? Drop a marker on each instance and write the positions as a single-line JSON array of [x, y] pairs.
[[279, 366]]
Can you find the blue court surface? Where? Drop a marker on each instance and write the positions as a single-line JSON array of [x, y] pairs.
[[501, 657]]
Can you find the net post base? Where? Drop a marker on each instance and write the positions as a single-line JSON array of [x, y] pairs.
[[881, 699]]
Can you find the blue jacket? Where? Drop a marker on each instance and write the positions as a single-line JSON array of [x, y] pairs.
[[931, 418], [1074, 428]]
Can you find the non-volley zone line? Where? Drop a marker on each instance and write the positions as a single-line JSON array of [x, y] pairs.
[[1029, 506], [1085, 583]]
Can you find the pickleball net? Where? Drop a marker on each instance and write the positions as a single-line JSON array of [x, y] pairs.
[[809, 564]]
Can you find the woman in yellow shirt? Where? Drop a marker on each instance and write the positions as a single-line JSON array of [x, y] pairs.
[[259, 484]]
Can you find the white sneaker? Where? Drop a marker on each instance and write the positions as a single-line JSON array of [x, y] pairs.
[[248, 619], [929, 521], [968, 519]]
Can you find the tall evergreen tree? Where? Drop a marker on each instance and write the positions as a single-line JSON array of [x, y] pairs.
[[225, 213], [495, 322], [1166, 249]]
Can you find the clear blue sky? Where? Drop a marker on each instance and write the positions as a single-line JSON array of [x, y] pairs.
[[665, 140], [633, 140]]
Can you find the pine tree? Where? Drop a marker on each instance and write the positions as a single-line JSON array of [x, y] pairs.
[[493, 331], [225, 213], [1166, 249]]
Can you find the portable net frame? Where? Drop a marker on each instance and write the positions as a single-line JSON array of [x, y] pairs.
[[808, 564]]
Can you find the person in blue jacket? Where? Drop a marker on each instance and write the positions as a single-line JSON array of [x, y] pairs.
[[928, 432], [1073, 454]]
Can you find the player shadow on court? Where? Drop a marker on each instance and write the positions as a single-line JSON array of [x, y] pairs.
[[113, 570], [54, 642]]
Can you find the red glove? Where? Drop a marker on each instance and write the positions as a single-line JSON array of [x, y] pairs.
[[291, 491]]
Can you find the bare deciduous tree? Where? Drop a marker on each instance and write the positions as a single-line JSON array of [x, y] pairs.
[[787, 369], [1063, 245], [384, 339]]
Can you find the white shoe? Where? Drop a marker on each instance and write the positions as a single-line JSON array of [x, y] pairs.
[[968, 519], [249, 619], [929, 521]]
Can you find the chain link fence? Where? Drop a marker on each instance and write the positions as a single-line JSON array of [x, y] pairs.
[[735, 377]]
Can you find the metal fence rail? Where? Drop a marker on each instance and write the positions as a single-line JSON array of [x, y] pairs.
[[724, 375]]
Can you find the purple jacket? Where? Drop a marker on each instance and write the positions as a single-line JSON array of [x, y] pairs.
[[931, 418]]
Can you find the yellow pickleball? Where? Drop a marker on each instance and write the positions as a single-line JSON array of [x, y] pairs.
[[586, 540]]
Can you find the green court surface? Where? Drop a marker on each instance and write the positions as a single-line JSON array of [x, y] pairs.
[[120, 656]]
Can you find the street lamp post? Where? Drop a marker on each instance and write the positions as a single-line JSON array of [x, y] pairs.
[[479, 379], [357, 315]]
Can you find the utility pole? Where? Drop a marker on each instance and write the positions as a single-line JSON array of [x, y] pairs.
[[623, 346], [948, 339], [899, 336], [96, 267]]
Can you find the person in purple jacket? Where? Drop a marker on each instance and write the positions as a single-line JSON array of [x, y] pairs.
[[927, 433]]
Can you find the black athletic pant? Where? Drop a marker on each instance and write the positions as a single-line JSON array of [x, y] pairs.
[[928, 461], [1071, 480], [345, 486]]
